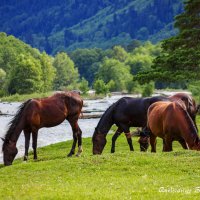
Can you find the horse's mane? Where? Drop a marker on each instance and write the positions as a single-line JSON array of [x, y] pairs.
[[107, 112], [14, 122], [188, 118]]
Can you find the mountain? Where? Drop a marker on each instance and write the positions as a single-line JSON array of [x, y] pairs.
[[69, 24]]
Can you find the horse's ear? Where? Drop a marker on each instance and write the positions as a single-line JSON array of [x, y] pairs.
[[2, 139]]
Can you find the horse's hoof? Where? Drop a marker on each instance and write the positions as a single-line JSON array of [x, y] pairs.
[[25, 158], [70, 155], [112, 151]]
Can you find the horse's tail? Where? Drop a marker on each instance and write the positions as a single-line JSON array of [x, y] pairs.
[[15, 121]]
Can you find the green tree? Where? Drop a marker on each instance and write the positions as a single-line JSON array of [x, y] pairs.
[[25, 76], [48, 72], [148, 89], [100, 87], [2, 81], [66, 74], [119, 53], [180, 58], [84, 86], [111, 86], [134, 87], [112, 69], [2, 77], [87, 61], [132, 45]]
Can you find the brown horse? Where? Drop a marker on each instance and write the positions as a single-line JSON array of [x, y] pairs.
[[171, 121], [45, 112], [190, 106]]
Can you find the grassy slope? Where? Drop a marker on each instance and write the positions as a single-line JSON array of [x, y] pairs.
[[123, 175]]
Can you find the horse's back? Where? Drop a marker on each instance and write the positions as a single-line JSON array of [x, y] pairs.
[[164, 117], [133, 111], [53, 110], [159, 114]]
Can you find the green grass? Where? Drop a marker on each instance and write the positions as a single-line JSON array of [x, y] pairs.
[[122, 175]]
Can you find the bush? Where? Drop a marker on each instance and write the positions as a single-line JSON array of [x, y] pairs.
[[148, 89], [83, 86], [100, 87]]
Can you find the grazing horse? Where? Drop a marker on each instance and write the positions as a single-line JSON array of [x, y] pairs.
[[171, 121], [125, 113], [132, 112], [34, 114], [188, 102]]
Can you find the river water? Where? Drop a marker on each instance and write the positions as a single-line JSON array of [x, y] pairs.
[[58, 133]]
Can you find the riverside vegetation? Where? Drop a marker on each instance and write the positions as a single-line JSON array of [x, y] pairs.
[[122, 175]]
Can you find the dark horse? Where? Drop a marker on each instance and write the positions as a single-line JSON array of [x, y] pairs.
[[125, 113], [45, 112], [171, 121], [132, 112]]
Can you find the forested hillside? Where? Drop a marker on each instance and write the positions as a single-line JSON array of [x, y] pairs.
[[67, 24]]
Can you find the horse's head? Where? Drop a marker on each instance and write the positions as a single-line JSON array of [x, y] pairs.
[[143, 140], [99, 142], [144, 143], [9, 152]]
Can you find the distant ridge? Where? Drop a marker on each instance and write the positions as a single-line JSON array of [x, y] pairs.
[[69, 24]]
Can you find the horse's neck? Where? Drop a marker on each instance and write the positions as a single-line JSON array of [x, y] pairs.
[[106, 121], [15, 132], [104, 126]]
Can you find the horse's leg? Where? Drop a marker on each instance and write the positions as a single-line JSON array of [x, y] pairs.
[[153, 143], [168, 143], [163, 145], [72, 151], [77, 135], [80, 149], [114, 138], [126, 129], [27, 142], [129, 140], [34, 144], [183, 143]]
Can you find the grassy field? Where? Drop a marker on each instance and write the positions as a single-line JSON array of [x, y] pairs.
[[122, 175]]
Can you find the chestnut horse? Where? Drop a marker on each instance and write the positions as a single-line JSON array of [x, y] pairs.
[[34, 114], [132, 112], [171, 121]]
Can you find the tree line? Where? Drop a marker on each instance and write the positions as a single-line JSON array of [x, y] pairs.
[[24, 69]]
